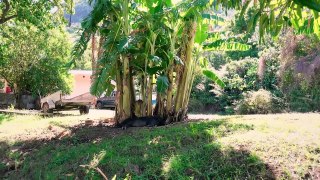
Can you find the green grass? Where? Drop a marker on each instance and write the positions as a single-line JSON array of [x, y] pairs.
[[178, 152], [248, 147]]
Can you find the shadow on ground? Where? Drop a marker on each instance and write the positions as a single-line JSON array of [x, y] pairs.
[[180, 151], [5, 114]]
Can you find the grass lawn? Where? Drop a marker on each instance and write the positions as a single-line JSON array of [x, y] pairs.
[[284, 146]]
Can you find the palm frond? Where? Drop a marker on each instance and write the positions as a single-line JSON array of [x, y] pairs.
[[104, 75], [226, 45], [311, 4], [212, 76], [89, 26]]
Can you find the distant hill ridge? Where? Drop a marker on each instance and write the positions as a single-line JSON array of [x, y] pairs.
[[82, 10]]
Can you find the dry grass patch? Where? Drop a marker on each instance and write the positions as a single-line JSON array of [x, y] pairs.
[[289, 143]]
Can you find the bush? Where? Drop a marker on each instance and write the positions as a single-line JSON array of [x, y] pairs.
[[300, 72], [302, 95], [217, 60], [242, 75], [195, 105], [259, 102], [204, 96]]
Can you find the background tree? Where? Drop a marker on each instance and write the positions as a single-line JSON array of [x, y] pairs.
[[31, 55], [239, 69], [32, 60], [41, 13]]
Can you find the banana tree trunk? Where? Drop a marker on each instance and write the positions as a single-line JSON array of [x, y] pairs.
[[126, 90], [187, 73], [119, 97], [149, 96], [143, 94], [127, 98], [170, 70], [190, 85], [150, 82], [170, 89], [132, 90], [160, 109]]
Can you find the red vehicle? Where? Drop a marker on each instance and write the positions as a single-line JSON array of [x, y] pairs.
[[8, 90]]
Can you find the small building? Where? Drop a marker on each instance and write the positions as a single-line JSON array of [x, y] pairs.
[[81, 82], [80, 89]]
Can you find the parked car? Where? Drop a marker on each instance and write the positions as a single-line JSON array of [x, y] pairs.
[[107, 101], [59, 101], [110, 101]]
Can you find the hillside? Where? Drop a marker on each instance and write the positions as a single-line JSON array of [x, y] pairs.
[[82, 9]]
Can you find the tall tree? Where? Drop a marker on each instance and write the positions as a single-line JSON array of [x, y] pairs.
[[42, 13], [34, 60]]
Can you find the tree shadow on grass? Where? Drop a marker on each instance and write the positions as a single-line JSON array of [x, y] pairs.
[[187, 150]]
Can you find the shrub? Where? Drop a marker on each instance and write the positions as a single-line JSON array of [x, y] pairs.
[[202, 98], [240, 76], [217, 60], [302, 95], [300, 72], [259, 102], [195, 105]]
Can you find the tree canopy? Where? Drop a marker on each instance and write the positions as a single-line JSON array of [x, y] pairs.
[[271, 16], [34, 60], [42, 13], [33, 45]]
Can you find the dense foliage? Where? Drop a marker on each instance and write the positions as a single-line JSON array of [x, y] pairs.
[[300, 72], [32, 60], [33, 45], [238, 69], [267, 73], [41, 13]]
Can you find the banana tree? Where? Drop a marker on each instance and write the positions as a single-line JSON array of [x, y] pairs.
[[156, 41]]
